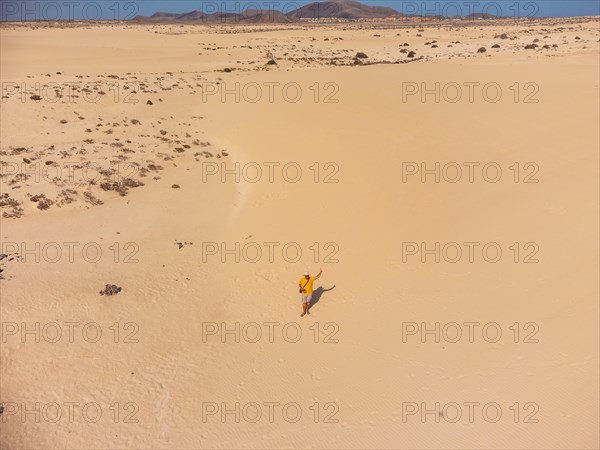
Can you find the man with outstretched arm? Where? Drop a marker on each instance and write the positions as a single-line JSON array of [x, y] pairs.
[[306, 289]]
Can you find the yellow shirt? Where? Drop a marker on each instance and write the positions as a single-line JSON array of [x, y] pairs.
[[309, 285]]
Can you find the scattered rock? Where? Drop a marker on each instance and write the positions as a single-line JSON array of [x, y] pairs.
[[149, 102], [361, 55], [43, 203], [110, 289], [91, 199], [180, 245], [14, 207], [496, 46], [482, 50], [176, 186], [123, 187]]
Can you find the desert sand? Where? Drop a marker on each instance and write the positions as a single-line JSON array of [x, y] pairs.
[[114, 143]]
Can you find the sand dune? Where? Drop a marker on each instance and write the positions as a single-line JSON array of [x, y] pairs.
[[201, 170]]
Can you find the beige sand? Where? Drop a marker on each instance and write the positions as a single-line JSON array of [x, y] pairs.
[[168, 377]]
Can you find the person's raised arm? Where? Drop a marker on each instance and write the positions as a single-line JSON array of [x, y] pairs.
[[320, 272]]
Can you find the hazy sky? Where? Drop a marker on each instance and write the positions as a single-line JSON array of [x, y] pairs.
[[126, 9]]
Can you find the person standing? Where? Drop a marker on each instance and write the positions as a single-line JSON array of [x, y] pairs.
[[306, 289]]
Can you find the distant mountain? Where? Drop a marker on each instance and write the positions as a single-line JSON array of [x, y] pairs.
[[331, 9], [342, 9], [328, 9], [265, 16], [191, 16], [158, 15], [247, 16], [481, 16]]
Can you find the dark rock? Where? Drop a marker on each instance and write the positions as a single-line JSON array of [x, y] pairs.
[[110, 289], [43, 203]]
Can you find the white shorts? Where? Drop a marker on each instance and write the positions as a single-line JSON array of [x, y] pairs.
[[306, 298]]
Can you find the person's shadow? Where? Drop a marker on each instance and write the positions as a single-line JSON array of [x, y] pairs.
[[316, 295]]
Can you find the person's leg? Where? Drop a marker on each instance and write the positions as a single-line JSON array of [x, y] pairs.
[[303, 306], [308, 304]]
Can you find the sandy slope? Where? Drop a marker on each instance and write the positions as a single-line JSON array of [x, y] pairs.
[[174, 372]]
